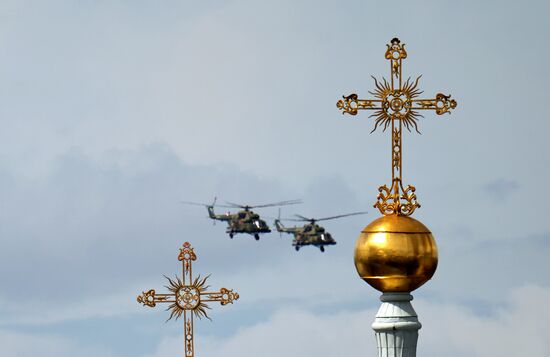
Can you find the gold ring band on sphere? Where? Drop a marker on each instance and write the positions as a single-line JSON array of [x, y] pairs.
[[395, 253]]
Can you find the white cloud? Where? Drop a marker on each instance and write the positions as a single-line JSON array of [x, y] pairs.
[[110, 229], [46, 345], [289, 332], [40, 312], [518, 329]]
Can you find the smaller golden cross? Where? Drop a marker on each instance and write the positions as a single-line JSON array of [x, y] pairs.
[[396, 103], [188, 297]]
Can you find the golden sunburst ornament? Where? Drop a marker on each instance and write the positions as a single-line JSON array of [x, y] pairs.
[[396, 104], [188, 296]]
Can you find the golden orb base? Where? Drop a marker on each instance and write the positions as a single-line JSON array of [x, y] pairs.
[[395, 253]]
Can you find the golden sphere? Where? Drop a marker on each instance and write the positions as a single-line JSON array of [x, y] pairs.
[[395, 254]]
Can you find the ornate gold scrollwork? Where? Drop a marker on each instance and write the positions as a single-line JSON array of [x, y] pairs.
[[227, 296], [351, 104], [188, 338], [443, 104], [188, 297], [408, 203], [391, 201], [426, 104], [396, 151], [187, 255], [348, 105], [148, 298], [396, 50]]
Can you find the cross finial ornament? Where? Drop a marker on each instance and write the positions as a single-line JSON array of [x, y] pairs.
[[187, 297], [397, 104]]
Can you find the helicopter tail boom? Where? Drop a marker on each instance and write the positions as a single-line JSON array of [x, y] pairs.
[[282, 229], [279, 226], [219, 217]]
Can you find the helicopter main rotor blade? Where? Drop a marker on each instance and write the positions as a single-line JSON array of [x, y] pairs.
[[340, 216], [283, 219], [235, 205], [203, 204], [194, 203], [224, 206], [282, 203], [302, 218]]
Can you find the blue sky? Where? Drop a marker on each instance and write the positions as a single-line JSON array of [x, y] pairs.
[[113, 112]]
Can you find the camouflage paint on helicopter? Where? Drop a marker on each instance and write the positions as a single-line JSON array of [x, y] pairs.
[[310, 233], [245, 221]]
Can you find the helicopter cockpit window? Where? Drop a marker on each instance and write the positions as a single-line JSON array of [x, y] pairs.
[[241, 215]]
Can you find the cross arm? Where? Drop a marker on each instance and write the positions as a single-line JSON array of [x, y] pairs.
[[351, 104], [151, 298], [441, 104], [224, 296]]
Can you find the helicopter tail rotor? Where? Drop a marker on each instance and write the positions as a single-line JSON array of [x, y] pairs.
[[279, 220], [213, 204], [209, 208]]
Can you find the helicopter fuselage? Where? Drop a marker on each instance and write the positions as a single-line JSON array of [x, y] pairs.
[[245, 221], [309, 234]]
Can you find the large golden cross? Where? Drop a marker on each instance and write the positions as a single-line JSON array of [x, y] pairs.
[[396, 103], [188, 297]]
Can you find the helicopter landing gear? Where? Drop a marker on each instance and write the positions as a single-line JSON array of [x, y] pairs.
[[257, 236], [231, 235], [297, 248], [322, 248]]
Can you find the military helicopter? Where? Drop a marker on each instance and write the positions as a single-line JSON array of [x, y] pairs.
[[244, 221], [310, 233]]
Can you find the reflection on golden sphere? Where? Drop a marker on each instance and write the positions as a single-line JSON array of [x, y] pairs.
[[395, 254]]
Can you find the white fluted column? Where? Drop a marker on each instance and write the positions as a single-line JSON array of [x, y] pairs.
[[396, 326]]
